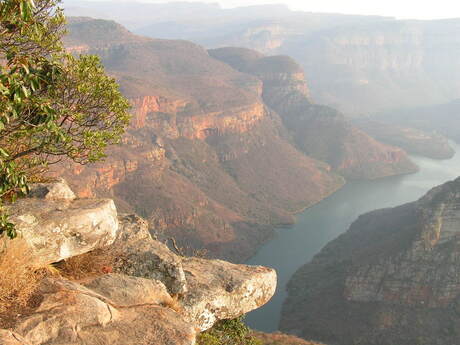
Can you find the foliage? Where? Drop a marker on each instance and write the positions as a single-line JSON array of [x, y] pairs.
[[228, 332], [52, 105]]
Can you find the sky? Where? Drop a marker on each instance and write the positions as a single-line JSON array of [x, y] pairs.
[[404, 9]]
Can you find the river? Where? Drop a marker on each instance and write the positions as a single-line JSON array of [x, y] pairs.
[[293, 247]]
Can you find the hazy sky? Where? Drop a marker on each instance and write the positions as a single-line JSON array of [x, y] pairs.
[[422, 9]]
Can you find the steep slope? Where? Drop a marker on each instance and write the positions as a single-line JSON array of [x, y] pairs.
[[204, 160], [317, 130], [393, 278], [366, 68]]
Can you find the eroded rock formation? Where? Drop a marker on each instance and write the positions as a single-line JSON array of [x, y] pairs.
[[204, 160], [212, 157], [319, 131]]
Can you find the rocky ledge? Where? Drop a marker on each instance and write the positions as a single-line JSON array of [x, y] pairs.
[[149, 296], [392, 278]]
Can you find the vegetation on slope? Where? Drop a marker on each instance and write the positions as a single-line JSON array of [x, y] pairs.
[[52, 104]]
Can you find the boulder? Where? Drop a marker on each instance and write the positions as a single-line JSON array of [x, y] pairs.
[[210, 290], [58, 190], [59, 229], [142, 256], [219, 290], [127, 291], [73, 314]]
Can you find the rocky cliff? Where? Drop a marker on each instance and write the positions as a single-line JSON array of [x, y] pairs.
[[204, 160], [148, 294], [383, 65], [317, 130], [392, 278]]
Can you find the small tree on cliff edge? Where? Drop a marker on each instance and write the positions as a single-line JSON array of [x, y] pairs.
[[52, 104]]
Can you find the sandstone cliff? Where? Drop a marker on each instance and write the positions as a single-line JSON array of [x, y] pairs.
[[317, 130], [148, 296], [393, 278], [212, 157], [204, 159]]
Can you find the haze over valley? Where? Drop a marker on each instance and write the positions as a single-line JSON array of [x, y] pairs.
[[317, 153]]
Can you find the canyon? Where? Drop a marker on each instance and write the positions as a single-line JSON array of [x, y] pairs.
[[209, 159]]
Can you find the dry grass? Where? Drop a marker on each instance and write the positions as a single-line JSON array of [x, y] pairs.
[[88, 265], [20, 277], [174, 304]]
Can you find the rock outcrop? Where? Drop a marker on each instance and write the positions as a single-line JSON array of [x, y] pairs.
[[392, 278], [58, 226], [151, 296]]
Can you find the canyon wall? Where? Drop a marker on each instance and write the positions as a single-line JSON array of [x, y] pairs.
[[319, 131], [204, 159], [217, 153], [393, 277], [357, 64]]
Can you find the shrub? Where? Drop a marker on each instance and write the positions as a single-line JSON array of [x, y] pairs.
[[52, 105], [228, 332]]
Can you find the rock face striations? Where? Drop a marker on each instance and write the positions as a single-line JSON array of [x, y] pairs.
[[205, 161], [393, 278], [319, 131], [151, 297]]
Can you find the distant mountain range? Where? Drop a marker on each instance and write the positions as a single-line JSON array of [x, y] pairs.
[[358, 64]]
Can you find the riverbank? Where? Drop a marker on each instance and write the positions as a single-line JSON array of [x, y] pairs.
[[291, 248]]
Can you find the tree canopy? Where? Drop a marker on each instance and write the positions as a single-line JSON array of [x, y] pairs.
[[53, 105]]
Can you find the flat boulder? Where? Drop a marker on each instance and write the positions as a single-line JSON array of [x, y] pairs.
[[219, 290], [73, 314], [59, 229], [125, 291]]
